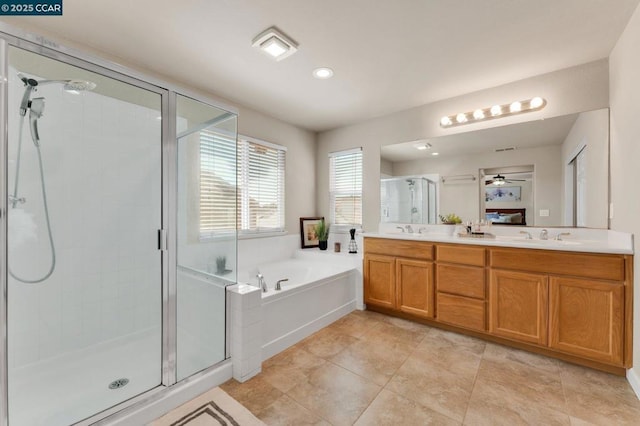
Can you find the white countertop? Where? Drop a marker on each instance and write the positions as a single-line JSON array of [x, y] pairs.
[[580, 240]]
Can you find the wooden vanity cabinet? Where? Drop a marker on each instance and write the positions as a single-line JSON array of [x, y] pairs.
[[586, 318], [571, 305], [570, 302], [398, 275], [379, 274], [518, 304], [460, 283]]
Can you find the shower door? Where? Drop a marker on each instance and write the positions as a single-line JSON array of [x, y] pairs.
[[84, 287]]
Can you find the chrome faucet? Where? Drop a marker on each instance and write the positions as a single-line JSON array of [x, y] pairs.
[[528, 237], [400, 228], [409, 229], [544, 235], [262, 283], [559, 236], [278, 288]]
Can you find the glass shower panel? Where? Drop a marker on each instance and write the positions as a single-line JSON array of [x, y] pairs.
[[85, 277], [206, 237]]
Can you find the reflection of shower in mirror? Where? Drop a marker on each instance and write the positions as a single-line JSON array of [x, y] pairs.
[[409, 199]]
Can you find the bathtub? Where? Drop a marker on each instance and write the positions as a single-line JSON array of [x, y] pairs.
[[316, 294]]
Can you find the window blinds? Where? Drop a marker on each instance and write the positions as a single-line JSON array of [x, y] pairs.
[[259, 192], [345, 187], [261, 168], [217, 183]]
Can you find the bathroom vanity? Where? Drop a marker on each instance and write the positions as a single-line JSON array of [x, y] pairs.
[[567, 300]]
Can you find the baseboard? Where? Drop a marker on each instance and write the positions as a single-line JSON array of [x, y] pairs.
[[634, 380], [281, 343]]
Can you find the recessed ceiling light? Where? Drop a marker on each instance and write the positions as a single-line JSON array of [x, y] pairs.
[[275, 44], [434, 153], [323, 73]]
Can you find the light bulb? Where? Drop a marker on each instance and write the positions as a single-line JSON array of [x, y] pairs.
[[445, 121], [478, 114], [536, 102], [496, 110], [515, 107], [461, 118]]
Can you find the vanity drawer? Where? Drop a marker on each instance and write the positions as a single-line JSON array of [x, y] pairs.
[[461, 311], [399, 248], [463, 255], [600, 266], [461, 280]]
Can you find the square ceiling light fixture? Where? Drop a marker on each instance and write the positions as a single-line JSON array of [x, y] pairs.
[[275, 44]]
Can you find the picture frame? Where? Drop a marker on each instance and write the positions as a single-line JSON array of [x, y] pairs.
[[503, 193], [307, 231]]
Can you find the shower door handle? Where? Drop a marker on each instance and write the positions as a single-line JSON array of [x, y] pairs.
[[162, 240]]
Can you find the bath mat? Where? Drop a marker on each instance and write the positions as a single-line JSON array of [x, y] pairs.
[[213, 408]]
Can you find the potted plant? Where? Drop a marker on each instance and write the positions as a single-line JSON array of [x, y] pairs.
[[322, 232], [221, 265], [450, 219]]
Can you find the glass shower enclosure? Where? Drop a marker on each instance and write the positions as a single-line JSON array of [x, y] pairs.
[[113, 284], [409, 199]]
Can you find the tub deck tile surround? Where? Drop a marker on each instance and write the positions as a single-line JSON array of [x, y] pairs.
[[245, 304], [368, 368]]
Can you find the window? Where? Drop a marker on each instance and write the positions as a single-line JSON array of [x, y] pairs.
[[217, 183], [261, 168], [345, 188], [260, 187]]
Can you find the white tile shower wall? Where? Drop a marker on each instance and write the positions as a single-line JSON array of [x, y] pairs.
[[102, 161]]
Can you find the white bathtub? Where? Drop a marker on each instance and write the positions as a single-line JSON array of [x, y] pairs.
[[316, 294]]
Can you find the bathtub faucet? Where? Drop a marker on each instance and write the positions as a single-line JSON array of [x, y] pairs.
[[261, 282], [278, 284]]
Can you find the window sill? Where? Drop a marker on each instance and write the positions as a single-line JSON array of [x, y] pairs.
[[249, 236]]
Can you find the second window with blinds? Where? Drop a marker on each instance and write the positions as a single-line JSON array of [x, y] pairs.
[[259, 191], [345, 189]]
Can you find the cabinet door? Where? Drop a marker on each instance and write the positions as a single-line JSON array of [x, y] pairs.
[[379, 280], [414, 283], [518, 306], [587, 318]]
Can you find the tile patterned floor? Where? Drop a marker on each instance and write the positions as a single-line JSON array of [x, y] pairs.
[[371, 369]]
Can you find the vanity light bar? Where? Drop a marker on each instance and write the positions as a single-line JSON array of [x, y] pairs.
[[496, 111]]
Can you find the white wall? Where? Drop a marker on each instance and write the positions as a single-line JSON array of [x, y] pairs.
[[591, 132], [463, 198], [625, 152], [577, 89]]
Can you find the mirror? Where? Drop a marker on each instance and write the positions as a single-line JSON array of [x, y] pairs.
[[551, 172]]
